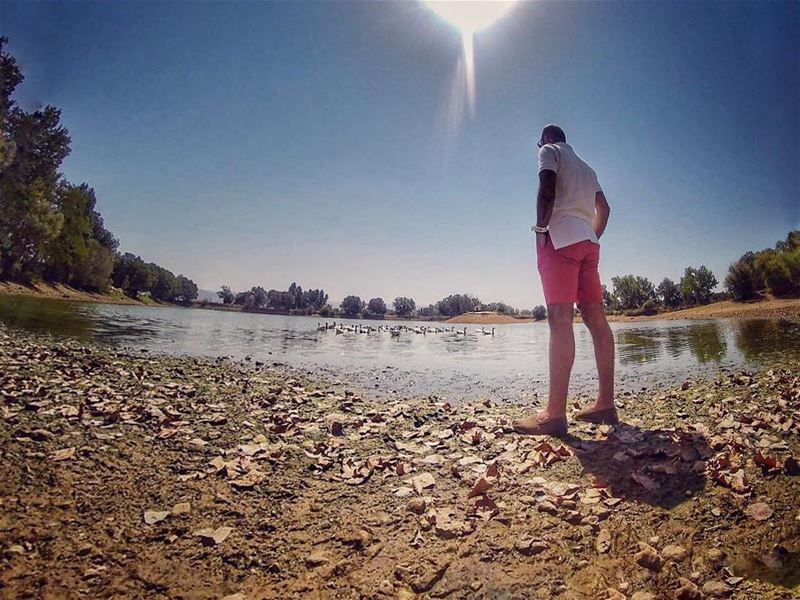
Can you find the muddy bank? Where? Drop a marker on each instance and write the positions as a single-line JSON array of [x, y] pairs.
[[59, 291], [487, 318], [784, 308], [775, 308], [132, 475]]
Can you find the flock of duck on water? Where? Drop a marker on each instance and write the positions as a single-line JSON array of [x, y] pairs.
[[395, 330]]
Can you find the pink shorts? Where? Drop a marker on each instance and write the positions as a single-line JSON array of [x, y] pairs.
[[569, 274]]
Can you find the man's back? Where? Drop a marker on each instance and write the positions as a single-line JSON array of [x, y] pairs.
[[576, 186]]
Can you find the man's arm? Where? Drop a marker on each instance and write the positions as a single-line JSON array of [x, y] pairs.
[[546, 198], [601, 212]]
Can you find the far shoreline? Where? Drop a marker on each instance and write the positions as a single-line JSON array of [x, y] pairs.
[[772, 308]]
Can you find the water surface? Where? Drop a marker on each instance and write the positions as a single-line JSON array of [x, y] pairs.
[[510, 364]]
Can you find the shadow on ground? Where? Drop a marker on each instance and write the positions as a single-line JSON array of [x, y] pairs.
[[660, 467]]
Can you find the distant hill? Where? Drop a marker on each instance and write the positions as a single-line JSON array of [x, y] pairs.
[[207, 296]]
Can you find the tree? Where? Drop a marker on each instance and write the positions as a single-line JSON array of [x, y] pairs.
[[376, 306], [777, 276], [456, 304], [404, 306], [165, 286], [539, 312], [696, 285], [608, 299], [226, 294], [29, 216], [427, 311], [296, 300], [259, 296], [631, 291], [187, 290], [499, 307], [669, 293], [791, 243], [352, 305], [132, 274], [48, 226], [742, 280], [315, 299]]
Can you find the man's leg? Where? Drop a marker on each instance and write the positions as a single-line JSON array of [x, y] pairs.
[[562, 355], [595, 319]]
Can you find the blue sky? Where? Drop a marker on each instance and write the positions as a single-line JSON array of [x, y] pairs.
[[270, 142]]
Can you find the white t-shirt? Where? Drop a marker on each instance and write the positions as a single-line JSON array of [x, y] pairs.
[[576, 186]]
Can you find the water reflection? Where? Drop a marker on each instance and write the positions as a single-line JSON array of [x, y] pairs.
[[511, 363], [758, 340], [706, 342], [637, 346]]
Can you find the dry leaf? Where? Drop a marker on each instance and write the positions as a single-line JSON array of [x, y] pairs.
[[646, 482], [422, 481], [151, 517], [213, 537], [64, 454], [760, 511]]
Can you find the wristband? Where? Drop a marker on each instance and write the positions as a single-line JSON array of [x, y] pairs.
[[538, 229]]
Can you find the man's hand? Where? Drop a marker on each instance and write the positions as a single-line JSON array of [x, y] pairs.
[[541, 241], [601, 212]]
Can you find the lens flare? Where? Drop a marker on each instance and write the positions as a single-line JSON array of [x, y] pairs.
[[468, 17]]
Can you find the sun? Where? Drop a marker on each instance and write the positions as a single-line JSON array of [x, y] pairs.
[[470, 16]]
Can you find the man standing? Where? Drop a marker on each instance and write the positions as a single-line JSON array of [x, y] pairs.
[[572, 213]]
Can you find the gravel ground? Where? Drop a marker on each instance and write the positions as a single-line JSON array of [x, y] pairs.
[[127, 475]]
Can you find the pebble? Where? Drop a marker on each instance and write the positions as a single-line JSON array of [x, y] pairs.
[[530, 547], [716, 589], [317, 559], [547, 507], [643, 596], [181, 508], [715, 556], [687, 591], [386, 588], [647, 557], [673, 552], [603, 542], [416, 505]]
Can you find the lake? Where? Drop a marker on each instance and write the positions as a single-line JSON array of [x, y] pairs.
[[511, 364]]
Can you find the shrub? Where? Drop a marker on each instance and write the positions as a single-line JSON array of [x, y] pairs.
[[742, 280], [649, 308], [778, 277]]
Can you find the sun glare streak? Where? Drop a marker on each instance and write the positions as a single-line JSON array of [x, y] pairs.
[[468, 17], [468, 43]]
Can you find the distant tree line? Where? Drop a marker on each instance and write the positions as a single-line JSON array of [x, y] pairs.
[[294, 299], [49, 228], [297, 300], [134, 276], [636, 293], [774, 270]]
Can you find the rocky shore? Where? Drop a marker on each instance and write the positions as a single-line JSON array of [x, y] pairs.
[[128, 475]]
